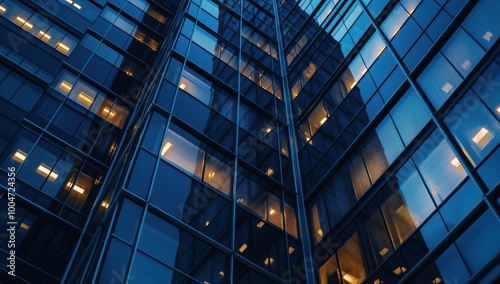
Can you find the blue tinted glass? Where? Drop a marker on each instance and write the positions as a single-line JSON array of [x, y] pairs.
[[116, 263], [479, 244], [451, 267], [128, 221], [439, 167], [140, 176], [439, 80], [147, 270], [154, 134], [159, 239], [433, 231], [489, 170], [460, 204], [410, 115], [476, 129]]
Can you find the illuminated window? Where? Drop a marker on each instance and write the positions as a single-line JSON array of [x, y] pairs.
[[476, 128], [352, 268], [329, 272], [197, 86], [19, 156], [47, 172], [317, 117], [81, 93], [319, 220]]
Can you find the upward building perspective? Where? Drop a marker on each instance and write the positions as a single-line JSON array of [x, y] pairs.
[[249, 141]]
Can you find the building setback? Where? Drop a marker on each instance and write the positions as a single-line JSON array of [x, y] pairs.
[[250, 141]]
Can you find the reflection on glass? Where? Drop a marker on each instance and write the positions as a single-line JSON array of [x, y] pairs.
[[440, 168]]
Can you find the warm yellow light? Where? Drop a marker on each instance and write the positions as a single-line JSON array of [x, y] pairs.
[[2, 9], [323, 120], [129, 73], [182, 86], [221, 273], [61, 46], [380, 52], [105, 204], [272, 211], [498, 109], [165, 148], [291, 250], [206, 282], [85, 99], [437, 280], [399, 270], [396, 32], [349, 278], [412, 10], [44, 36], [260, 224], [69, 1], [19, 156], [112, 148], [239, 200], [27, 25], [65, 86], [46, 171], [364, 72], [77, 6], [243, 247], [211, 175], [455, 162], [269, 261], [106, 111], [268, 129], [207, 223], [480, 135], [270, 172], [76, 188], [383, 251], [320, 232], [353, 84], [24, 226]]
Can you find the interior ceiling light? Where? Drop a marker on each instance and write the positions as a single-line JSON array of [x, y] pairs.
[[165, 148]]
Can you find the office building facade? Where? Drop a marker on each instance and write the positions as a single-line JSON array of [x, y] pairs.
[[247, 141]]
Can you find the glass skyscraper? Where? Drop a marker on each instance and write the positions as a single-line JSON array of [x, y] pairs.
[[249, 141]]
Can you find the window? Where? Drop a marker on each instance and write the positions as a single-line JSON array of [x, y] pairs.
[[439, 80], [254, 196], [408, 206], [410, 115], [439, 167], [328, 272], [478, 244], [90, 98], [39, 26], [157, 231], [197, 86], [198, 162], [475, 128], [481, 23], [463, 52], [352, 267]]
